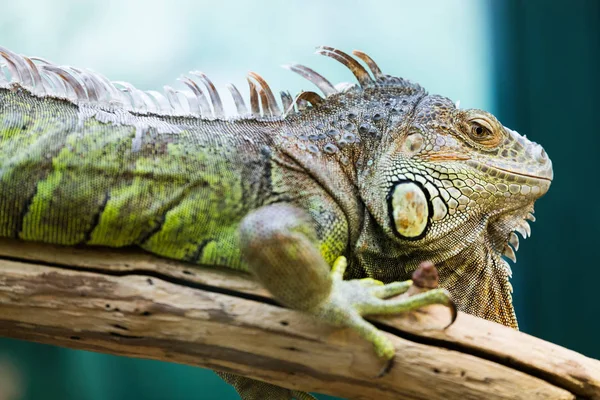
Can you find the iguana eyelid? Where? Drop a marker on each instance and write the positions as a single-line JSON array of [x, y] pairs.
[[484, 123]]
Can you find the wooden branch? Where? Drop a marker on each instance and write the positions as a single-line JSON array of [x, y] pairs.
[[133, 304]]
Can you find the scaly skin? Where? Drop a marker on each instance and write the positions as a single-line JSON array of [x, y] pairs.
[[379, 177]]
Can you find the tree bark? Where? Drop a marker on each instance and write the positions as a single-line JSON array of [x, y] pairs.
[[130, 303]]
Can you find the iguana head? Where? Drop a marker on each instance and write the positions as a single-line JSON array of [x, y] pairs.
[[435, 177], [457, 186], [441, 183], [455, 175]]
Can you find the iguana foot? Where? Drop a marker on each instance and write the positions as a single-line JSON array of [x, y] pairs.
[[350, 300]]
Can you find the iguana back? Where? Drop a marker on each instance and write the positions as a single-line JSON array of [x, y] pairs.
[[176, 186]]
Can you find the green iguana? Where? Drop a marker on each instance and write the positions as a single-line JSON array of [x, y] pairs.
[[376, 177]]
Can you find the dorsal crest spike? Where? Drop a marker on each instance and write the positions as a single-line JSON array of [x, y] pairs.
[[200, 97], [270, 104], [3, 81], [191, 100], [135, 99], [35, 74], [361, 74], [69, 79], [313, 98], [50, 82], [287, 101], [160, 99], [111, 92], [149, 102], [375, 70], [104, 90], [17, 67], [264, 102], [254, 106], [90, 90], [173, 98], [237, 99], [87, 84], [212, 91], [319, 80]]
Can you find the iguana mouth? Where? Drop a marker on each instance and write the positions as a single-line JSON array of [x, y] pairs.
[[536, 177]]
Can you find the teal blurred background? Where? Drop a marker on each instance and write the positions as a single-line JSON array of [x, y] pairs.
[[534, 63]]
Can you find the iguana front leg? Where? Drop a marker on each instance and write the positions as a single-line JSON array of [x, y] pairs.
[[280, 245]]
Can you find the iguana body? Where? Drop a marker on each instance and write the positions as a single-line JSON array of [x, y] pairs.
[[381, 173]]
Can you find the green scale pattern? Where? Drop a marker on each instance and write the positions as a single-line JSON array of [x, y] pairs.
[[70, 180]]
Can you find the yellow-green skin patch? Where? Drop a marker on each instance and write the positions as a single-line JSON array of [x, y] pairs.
[[71, 180]]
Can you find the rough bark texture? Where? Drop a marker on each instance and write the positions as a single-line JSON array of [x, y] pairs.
[[133, 304]]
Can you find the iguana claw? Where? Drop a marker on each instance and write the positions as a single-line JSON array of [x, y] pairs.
[[350, 300]]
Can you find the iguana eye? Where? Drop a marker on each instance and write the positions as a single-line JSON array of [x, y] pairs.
[[482, 132], [479, 132]]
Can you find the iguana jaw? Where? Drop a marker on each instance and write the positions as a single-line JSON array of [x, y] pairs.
[[527, 179], [446, 193], [533, 181], [534, 178], [525, 160]]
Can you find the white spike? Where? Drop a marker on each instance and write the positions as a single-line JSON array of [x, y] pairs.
[[18, 68], [70, 81], [150, 102], [173, 99], [106, 90], [135, 99], [192, 102], [54, 85], [521, 231], [509, 253], [215, 99], [161, 101], [205, 109], [513, 239], [457, 104], [524, 229], [503, 265], [527, 228], [88, 84], [530, 217], [237, 99], [38, 83], [86, 87]]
